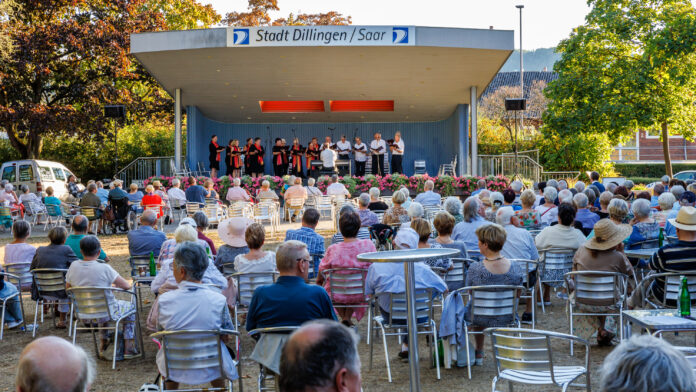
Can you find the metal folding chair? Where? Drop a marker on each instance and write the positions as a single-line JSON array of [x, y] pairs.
[[456, 277], [397, 321], [136, 262], [347, 281], [14, 297], [419, 168], [91, 214], [50, 286], [247, 283], [553, 264], [609, 288], [23, 272], [525, 356], [294, 205], [265, 374], [91, 304], [54, 216], [36, 210], [529, 287], [489, 301], [671, 283], [195, 350]]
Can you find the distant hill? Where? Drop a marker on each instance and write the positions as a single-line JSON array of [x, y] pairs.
[[534, 60]]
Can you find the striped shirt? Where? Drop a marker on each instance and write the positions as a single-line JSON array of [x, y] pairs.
[[676, 257], [363, 234]]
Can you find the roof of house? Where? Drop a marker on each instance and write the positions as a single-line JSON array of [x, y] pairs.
[[513, 79]]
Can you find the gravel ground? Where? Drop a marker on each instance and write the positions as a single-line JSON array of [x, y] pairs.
[[129, 375]]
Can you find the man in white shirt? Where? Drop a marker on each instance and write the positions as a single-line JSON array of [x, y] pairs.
[[177, 197], [336, 188], [360, 154], [327, 143], [343, 148], [397, 149], [237, 193], [378, 147], [328, 158]]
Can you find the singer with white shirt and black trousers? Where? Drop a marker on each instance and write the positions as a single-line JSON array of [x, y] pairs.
[[360, 155], [343, 149], [397, 148], [378, 148]]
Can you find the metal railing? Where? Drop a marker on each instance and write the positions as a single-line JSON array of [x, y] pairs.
[[145, 167], [534, 154], [560, 175], [525, 167]]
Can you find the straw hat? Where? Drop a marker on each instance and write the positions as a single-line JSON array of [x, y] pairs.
[[231, 231], [686, 219], [607, 235]]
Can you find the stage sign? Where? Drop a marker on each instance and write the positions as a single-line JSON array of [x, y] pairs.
[[321, 36]]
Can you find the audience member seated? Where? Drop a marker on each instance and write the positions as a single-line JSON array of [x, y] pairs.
[[209, 190], [548, 212], [146, 239], [677, 191], [422, 228], [312, 191], [89, 272], [496, 200], [604, 200], [134, 195], [363, 233], [53, 364], [345, 255], [232, 232], [454, 207], [444, 224], [152, 199], [480, 186], [169, 246], [396, 214], [321, 356], [562, 235], [645, 228], [645, 363], [465, 231], [56, 255], [516, 186], [195, 193], [165, 279], [256, 260], [18, 251], [290, 301], [202, 224], [236, 192], [79, 229], [509, 199], [375, 203], [658, 189], [386, 278], [621, 192], [604, 252], [297, 191], [591, 197], [13, 310], [565, 196], [50, 199], [117, 192], [9, 197], [91, 200], [307, 235], [584, 215], [688, 199], [494, 269], [428, 197], [415, 211], [528, 217], [406, 193], [194, 306], [678, 256], [336, 188], [579, 186], [367, 217], [160, 191], [176, 196], [27, 197], [265, 193]]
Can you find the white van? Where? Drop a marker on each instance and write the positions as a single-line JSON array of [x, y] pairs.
[[37, 175]]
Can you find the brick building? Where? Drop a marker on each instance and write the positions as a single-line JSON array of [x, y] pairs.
[[646, 146]]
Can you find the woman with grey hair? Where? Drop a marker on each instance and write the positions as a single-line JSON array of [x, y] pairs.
[[454, 206], [617, 211], [666, 203], [367, 217], [677, 191], [375, 203], [406, 193], [194, 305], [19, 251], [415, 210], [645, 228], [311, 189], [497, 200], [644, 363], [396, 214], [548, 212]]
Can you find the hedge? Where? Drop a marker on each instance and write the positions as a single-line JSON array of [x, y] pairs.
[[650, 170]]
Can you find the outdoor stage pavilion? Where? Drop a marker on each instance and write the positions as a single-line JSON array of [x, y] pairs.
[[306, 81]]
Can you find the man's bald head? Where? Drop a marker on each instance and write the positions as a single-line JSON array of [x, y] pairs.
[[320, 356], [52, 364]]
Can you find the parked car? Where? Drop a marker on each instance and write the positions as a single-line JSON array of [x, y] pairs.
[[682, 175], [37, 175]]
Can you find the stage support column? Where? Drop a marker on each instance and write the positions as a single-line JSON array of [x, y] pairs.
[[474, 132], [177, 128], [463, 133]]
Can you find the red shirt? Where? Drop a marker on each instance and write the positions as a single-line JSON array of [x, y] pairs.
[[151, 200]]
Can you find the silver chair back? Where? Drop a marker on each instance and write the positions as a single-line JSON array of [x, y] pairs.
[[532, 353], [248, 282], [457, 275], [23, 272], [673, 285], [90, 303], [598, 288], [50, 282], [346, 281], [138, 261], [424, 307], [499, 300], [191, 350]]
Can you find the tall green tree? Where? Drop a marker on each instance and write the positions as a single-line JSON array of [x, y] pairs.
[[7, 10], [631, 66]]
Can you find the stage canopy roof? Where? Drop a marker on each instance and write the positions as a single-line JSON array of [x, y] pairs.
[[340, 73]]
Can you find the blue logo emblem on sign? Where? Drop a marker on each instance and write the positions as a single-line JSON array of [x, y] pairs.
[[241, 36], [400, 35]]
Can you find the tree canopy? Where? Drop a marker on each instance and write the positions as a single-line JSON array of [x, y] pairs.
[[258, 14], [631, 66]]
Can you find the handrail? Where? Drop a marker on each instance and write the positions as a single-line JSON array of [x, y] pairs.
[[526, 167], [143, 168]]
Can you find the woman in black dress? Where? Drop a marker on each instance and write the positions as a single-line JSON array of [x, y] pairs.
[[247, 158], [256, 152], [228, 158], [235, 158], [277, 152], [296, 152], [214, 150]]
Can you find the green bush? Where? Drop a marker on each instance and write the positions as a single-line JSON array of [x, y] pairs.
[[643, 180], [653, 170]]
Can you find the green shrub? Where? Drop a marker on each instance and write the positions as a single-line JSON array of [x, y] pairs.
[[653, 170], [643, 180]]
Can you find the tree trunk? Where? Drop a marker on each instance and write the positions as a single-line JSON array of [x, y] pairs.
[[29, 148], [665, 150]]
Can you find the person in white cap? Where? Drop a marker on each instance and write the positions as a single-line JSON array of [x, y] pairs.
[[231, 232], [389, 278]]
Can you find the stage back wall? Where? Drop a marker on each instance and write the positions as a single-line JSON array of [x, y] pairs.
[[429, 73]]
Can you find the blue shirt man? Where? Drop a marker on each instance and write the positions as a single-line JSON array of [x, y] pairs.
[[307, 235], [428, 198], [145, 239], [117, 192], [587, 218], [102, 194], [195, 194], [466, 232], [289, 301]]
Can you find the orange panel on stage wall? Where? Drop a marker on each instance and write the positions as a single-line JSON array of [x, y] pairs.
[[291, 106], [362, 106]]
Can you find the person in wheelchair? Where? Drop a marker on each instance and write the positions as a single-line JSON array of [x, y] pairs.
[[120, 209]]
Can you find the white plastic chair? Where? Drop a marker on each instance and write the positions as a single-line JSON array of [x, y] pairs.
[[294, 205], [397, 321], [36, 210], [195, 350], [525, 356], [267, 212], [192, 208]]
